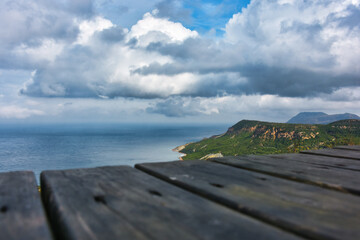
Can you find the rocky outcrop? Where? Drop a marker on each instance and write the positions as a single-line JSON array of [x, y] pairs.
[[212, 155], [255, 137]]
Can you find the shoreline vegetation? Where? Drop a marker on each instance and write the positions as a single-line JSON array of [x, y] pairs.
[[179, 149], [255, 137]]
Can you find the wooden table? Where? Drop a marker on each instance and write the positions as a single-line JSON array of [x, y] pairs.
[[311, 195]]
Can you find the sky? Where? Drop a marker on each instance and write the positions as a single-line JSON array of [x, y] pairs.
[[177, 61]]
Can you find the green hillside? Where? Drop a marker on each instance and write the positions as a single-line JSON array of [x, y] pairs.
[[255, 137]]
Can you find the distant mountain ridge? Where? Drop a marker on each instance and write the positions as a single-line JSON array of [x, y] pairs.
[[320, 118], [255, 137]]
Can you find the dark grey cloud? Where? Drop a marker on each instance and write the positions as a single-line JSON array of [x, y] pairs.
[[174, 10], [192, 48], [25, 24], [294, 82], [28, 21], [114, 34], [79, 7], [66, 76], [199, 56], [260, 79], [174, 107]]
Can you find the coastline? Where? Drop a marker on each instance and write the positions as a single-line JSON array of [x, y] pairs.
[[179, 148]]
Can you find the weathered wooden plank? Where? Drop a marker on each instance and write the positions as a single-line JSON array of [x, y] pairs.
[[340, 180], [125, 203], [21, 213], [308, 210], [335, 153], [330, 162], [354, 147]]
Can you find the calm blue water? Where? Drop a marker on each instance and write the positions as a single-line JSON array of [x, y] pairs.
[[43, 147]]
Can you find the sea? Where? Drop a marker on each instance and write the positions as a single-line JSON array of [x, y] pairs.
[[39, 147]]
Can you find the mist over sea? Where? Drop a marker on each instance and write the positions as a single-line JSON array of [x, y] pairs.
[[65, 146]]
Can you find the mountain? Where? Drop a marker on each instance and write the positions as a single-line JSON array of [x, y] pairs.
[[255, 137], [320, 118]]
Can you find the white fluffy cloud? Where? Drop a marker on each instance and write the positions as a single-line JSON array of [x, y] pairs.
[[101, 62], [152, 29], [18, 112], [314, 35], [87, 29]]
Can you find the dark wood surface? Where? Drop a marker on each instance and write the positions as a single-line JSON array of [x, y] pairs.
[[312, 195], [349, 154], [125, 203], [338, 179], [21, 213], [308, 210], [355, 147], [329, 162]]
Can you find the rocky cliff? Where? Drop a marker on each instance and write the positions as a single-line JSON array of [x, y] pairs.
[[255, 137]]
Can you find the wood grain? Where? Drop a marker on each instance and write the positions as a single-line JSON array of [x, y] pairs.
[[349, 154], [308, 210], [330, 162], [336, 179], [353, 147], [125, 203], [21, 213]]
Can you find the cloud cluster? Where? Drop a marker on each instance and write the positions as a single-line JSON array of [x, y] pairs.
[[101, 62], [33, 32], [273, 53], [288, 48], [260, 107], [314, 35]]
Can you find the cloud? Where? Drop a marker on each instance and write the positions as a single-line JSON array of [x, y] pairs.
[[261, 107], [344, 94], [152, 29], [282, 48], [27, 27], [102, 64], [18, 112], [293, 52], [313, 35], [87, 29], [124, 13], [174, 10], [182, 107]]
